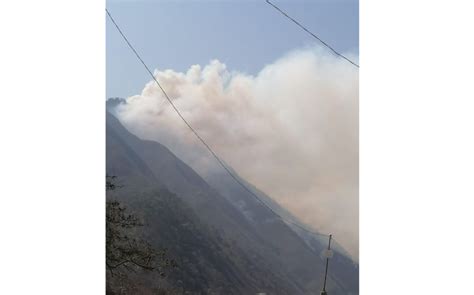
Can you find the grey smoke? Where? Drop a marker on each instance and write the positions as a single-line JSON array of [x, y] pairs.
[[292, 130]]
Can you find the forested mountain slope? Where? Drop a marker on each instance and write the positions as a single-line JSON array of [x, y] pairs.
[[224, 241]]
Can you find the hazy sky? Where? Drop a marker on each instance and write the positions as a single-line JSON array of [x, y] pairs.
[[245, 35]]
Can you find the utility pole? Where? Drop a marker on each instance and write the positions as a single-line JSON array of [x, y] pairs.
[[328, 253]]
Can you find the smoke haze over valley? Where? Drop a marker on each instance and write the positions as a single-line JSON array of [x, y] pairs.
[[291, 130]]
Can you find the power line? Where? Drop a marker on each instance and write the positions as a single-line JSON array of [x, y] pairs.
[[309, 32], [201, 139]]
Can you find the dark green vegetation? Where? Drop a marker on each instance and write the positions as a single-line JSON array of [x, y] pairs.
[[223, 240]]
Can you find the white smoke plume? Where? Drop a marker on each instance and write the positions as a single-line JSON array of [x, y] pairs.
[[291, 130]]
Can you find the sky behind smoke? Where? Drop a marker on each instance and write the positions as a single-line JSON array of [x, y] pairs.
[[247, 35], [292, 130]]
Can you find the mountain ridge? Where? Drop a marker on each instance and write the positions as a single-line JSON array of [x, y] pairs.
[[279, 246]]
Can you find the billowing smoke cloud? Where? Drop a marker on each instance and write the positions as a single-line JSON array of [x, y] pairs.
[[292, 130]]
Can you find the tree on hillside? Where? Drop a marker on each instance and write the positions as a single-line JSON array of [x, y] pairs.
[[125, 251]]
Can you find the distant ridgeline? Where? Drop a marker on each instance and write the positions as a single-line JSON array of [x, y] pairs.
[[222, 239]]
